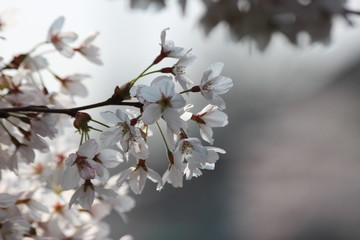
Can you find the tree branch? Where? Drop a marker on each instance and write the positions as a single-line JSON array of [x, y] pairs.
[[69, 111]]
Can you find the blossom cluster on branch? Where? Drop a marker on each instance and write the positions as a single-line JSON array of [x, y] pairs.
[[54, 188]]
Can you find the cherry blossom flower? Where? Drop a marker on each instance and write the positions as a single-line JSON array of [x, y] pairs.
[[193, 167], [162, 101], [124, 132], [89, 51], [106, 158], [80, 165], [212, 85], [86, 193], [73, 86], [192, 150], [179, 70], [208, 118], [8, 18], [174, 173], [60, 39], [168, 47], [137, 175]]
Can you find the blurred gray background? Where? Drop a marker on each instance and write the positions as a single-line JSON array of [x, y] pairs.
[[292, 168]]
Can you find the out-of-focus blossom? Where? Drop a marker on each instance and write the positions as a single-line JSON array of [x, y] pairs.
[[90, 51], [8, 18], [60, 39], [72, 84]]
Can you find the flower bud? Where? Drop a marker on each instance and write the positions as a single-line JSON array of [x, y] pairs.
[[81, 121]]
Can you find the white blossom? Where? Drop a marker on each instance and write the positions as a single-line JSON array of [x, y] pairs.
[[206, 119], [137, 175], [72, 85], [89, 51], [179, 70], [162, 101], [125, 133], [169, 48], [86, 193], [60, 39], [212, 85]]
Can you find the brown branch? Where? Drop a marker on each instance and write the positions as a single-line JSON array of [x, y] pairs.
[[69, 111]]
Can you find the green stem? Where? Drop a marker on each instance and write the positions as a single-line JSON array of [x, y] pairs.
[[141, 74], [148, 73], [163, 137], [100, 123], [95, 129], [82, 138], [185, 91]]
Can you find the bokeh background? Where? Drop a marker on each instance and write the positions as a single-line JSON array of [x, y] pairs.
[[292, 168]]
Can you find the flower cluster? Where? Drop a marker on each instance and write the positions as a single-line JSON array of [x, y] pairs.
[[40, 160]]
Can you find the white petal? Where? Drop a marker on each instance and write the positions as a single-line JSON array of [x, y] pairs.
[[163, 35], [172, 118], [206, 133], [151, 114], [216, 69], [222, 84], [154, 176], [110, 158], [88, 149], [86, 199], [167, 87], [106, 192], [110, 137], [68, 37], [110, 117], [218, 101], [178, 101], [122, 116], [123, 176], [75, 197], [150, 94], [56, 26], [70, 178]]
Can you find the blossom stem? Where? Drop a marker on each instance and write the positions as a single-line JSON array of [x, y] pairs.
[[95, 129], [100, 123], [148, 73], [185, 91], [37, 46], [82, 138], [193, 89], [163, 137], [141, 74]]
